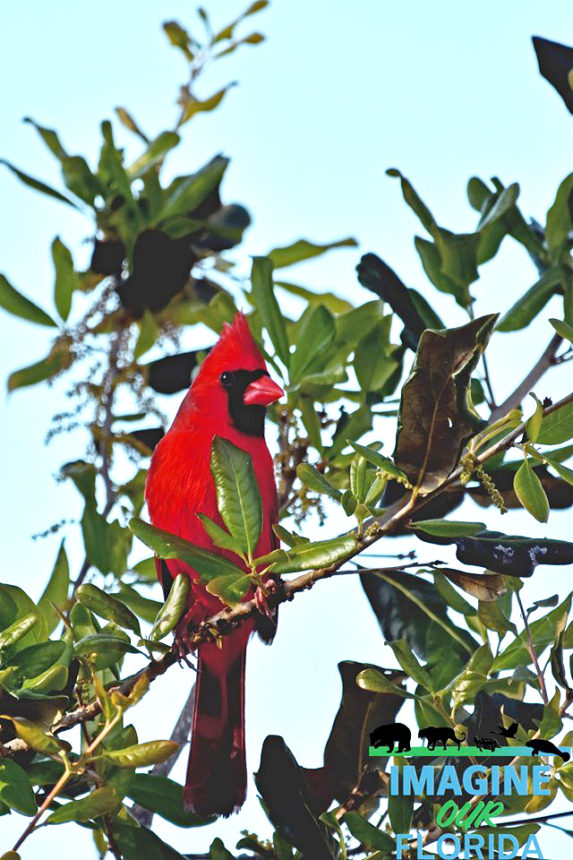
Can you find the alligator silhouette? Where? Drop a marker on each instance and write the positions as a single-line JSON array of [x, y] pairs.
[[538, 745], [440, 735], [390, 734]]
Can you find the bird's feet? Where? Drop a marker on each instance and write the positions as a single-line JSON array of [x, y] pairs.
[[262, 594], [183, 642]]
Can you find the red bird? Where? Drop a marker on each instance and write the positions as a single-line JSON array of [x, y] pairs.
[[227, 399]]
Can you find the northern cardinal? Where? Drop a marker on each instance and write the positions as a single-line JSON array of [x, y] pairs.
[[227, 399]]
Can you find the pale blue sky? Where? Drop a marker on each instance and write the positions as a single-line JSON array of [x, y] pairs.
[[340, 92]]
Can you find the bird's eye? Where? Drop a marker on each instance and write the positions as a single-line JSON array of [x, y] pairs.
[[226, 378]]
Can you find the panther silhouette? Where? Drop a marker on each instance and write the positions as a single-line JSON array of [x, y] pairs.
[[390, 734], [538, 745], [440, 735]]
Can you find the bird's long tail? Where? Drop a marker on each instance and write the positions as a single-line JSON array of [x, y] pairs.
[[216, 774]]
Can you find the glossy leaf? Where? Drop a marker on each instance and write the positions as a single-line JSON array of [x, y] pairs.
[[190, 191], [532, 302], [164, 797], [304, 250], [316, 481], [15, 788], [36, 184], [557, 427], [436, 417], [106, 606], [238, 496], [137, 842], [142, 755], [66, 278], [368, 835], [267, 306], [563, 329], [19, 306], [447, 528], [195, 106], [101, 801], [56, 591], [530, 492], [316, 335], [316, 555], [34, 737], [166, 545], [171, 613], [230, 588], [18, 630], [154, 154], [219, 536]]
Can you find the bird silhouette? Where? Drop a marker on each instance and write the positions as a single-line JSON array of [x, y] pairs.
[[509, 732]]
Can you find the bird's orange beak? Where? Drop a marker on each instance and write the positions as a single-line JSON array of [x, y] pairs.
[[262, 392]]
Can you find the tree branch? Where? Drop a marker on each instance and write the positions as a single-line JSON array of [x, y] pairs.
[[229, 618], [545, 361]]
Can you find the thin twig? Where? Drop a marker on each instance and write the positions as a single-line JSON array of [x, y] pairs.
[[546, 360], [532, 651], [394, 517]]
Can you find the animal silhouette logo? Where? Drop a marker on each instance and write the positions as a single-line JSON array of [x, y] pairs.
[[510, 732], [538, 745], [392, 734], [486, 743], [440, 735]]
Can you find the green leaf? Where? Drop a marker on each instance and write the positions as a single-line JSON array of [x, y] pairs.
[[534, 423], [436, 417], [137, 842], [34, 737], [563, 329], [50, 138], [103, 649], [374, 681], [559, 219], [19, 306], [316, 555], [264, 300], [368, 835], [166, 545], [107, 544], [18, 629], [374, 363], [186, 194], [195, 106], [529, 490], [316, 481], [142, 755], [504, 203], [148, 334], [384, 464], [66, 279], [108, 607], [59, 358], [413, 200], [532, 302], [542, 634], [101, 801], [238, 496], [79, 179], [219, 536], [407, 660], [34, 660], [230, 588], [432, 263], [15, 788], [557, 427], [164, 797], [305, 250], [154, 154], [447, 528], [56, 591], [179, 37], [172, 611], [400, 811], [37, 185], [316, 335]]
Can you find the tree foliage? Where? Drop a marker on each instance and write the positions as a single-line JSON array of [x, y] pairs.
[[159, 267]]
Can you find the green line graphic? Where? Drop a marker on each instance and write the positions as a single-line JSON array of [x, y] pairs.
[[463, 752]]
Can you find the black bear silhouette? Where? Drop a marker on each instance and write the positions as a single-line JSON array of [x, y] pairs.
[[440, 735], [486, 744], [390, 734], [538, 745], [509, 732]]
